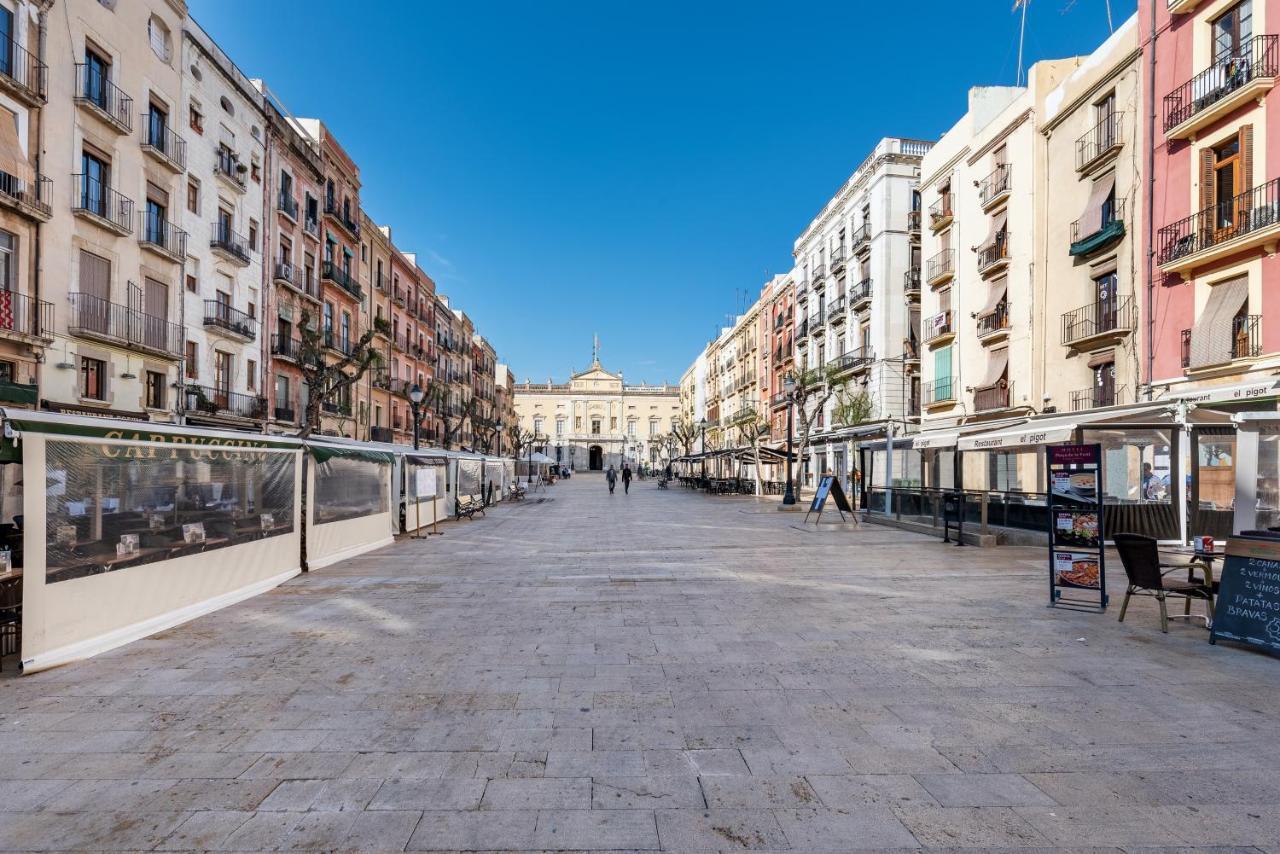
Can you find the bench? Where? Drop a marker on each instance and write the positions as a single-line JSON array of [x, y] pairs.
[[468, 507]]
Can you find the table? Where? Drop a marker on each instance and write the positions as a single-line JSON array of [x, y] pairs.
[[1203, 561]]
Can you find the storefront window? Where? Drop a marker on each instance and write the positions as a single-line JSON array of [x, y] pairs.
[[349, 488], [114, 505], [1136, 465], [1268, 479]]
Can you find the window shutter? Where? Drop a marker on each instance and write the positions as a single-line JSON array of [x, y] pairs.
[[1246, 167], [1206, 178]]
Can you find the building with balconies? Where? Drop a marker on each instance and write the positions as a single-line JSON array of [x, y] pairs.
[[777, 334], [226, 356], [112, 236], [858, 326]]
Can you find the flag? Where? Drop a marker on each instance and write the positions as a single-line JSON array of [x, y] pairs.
[[1018, 4], [6, 310]]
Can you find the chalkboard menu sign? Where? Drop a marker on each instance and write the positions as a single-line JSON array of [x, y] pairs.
[[1248, 608], [1077, 559], [829, 487]]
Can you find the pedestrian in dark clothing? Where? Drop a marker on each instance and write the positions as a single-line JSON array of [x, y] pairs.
[[626, 479], [612, 477]]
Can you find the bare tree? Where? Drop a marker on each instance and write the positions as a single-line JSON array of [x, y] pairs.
[[453, 417], [852, 410], [814, 387], [329, 382], [752, 427], [684, 433], [521, 439]]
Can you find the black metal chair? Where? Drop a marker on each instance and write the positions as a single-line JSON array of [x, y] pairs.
[[1148, 577], [10, 619]]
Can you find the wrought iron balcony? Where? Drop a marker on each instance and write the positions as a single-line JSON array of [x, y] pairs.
[[161, 236], [285, 414], [103, 205], [1110, 318], [220, 316], [296, 279], [994, 324], [230, 244], [209, 400], [1245, 221], [941, 390], [819, 271], [854, 360], [103, 98], [1099, 141], [1246, 336], [836, 310], [993, 256], [1233, 78], [913, 222], [226, 164], [941, 267], [993, 397], [333, 341], [940, 214], [911, 282], [862, 237], [1097, 397], [860, 295], [29, 198], [995, 187], [342, 216], [837, 259], [23, 74], [94, 317], [311, 226], [335, 407], [382, 434], [287, 205], [1109, 229], [340, 277], [163, 144], [939, 327], [26, 318], [398, 297], [286, 347]]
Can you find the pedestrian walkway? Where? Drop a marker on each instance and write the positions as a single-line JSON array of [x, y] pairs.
[[659, 670]]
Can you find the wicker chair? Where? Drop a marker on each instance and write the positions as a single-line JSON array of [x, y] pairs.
[[1148, 577]]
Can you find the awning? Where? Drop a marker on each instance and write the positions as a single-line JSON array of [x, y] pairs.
[[539, 457], [19, 393], [1051, 429], [1091, 219], [998, 289], [996, 367], [1211, 337], [997, 225], [324, 453], [19, 421], [12, 160], [931, 439], [1229, 393], [424, 460]]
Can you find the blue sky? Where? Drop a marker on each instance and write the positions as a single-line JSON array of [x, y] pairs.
[[622, 169]]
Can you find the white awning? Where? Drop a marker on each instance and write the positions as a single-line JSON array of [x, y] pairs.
[[1211, 336], [996, 367], [935, 439], [997, 224], [1228, 393], [998, 289], [1051, 429]]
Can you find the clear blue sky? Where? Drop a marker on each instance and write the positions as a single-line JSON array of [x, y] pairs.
[[564, 169]]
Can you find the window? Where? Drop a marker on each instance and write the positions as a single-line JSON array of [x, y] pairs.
[[255, 171], [8, 245], [537, 425], [193, 196], [253, 234], [282, 391], [653, 427], [1104, 385], [251, 375], [1226, 182], [97, 73], [346, 330], [161, 42], [8, 372], [95, 180], [595, 426], [222, 368], [155, 390], [93, 378], [559, 426], [196, 118], [631, 428], [227, 106], [193, 361], [1232, 31]]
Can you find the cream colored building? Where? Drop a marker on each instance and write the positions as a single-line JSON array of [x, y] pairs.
[[596, 420]]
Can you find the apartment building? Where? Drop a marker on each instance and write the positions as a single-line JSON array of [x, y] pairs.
[[386, 418], [777, 353], [26, 320], [461, 383], [117, 160], [857, 307], [504, 403], [484, 363], [342, 296], [292, 184], [220, 218]]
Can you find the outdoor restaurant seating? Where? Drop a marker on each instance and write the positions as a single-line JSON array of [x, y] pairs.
[[1148, 576]]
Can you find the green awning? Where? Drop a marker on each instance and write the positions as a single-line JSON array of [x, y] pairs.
[[1108, 234], [324, 453], [18, 393]]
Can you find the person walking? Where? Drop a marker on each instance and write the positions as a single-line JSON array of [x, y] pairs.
[[626, 479], [612, 477]]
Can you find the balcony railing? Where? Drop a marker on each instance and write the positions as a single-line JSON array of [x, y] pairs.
[[994, 185], [860, 294], [853, 360], [1186, 349], [335, 210], [230, 242], [98, 318], [221, 401], [1252, 210], [1115, 315], [995, 322], [938, 326], [992, 254], [95, 90], [940, 390], [940, 212], [1099, 140], [161, 140], [1255, 59], [837, 258], [34, 197], [1097, 397], [26, 316], [24, 71], [940, 265], [228, 165], [1108, 229], [286, 347], [911, 281], [836, 309], [335, 407], [382, 434], [913, 222], [1246, 336], [287, 205], [285, 414], [992, 397], [221, 315], [819, 271], [297, 278], [333, 341], [861, 236], [162, 235], [311, 226], [98, 200], [341, 278]]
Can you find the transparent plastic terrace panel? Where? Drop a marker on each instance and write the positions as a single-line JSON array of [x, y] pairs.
[[114, 505], [349, 488]]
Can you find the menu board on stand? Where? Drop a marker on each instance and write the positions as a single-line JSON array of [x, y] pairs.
[[1077, 557]]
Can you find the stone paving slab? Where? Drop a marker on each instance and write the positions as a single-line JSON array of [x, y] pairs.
[[659, 671]]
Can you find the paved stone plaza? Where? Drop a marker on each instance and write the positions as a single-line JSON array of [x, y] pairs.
[[662, 671]]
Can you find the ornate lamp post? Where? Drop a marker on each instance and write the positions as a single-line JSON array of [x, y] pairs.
[[789, 383], [415, 403], [702, 425]]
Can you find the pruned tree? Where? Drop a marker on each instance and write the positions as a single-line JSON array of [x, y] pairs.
[[852, 410], [521, 440], [329, 382], [453, 417], [814, 388], [485, 430], [684, 432], [752, 427]]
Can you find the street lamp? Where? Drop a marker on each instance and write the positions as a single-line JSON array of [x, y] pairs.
[[702, 425], [789, 383], [415, 402]]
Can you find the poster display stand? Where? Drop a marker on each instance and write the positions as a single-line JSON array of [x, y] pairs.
[[1077, 557], [829, 487], [426, 484]]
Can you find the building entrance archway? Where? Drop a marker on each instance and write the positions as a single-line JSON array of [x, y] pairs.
[[597, 458]]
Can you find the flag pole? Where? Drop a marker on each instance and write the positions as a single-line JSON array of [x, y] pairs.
[[1022, 34]]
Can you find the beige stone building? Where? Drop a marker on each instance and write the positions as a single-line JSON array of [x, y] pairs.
[[596, 420]]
